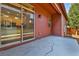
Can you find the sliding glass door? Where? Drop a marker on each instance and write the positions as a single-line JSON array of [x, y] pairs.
[[28, 25], [16, 24], [10, 25], [0, 25]]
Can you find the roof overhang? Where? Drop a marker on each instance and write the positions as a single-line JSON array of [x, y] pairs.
[[61, 9], [53, 8]]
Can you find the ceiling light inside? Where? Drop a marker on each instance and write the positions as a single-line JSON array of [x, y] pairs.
[[6, 16], [30, 21], [16, 18]]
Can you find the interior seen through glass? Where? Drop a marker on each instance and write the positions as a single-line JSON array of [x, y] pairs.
[[12, 25]]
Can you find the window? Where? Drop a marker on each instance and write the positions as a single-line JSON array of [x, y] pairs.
[[16, 24]]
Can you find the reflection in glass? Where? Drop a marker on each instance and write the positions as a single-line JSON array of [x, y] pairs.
[[28, 25], [10, 26], [13, 21]]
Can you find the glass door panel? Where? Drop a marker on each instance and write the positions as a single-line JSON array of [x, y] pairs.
[[10, 25], [0, 25], [28, 25]]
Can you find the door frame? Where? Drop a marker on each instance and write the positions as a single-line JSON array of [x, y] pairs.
[[20, 11]]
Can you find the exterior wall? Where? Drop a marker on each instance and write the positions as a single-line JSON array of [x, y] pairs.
[[41, 22], [59, 26], [56, 25]]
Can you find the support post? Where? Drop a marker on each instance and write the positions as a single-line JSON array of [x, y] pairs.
[[62, 26], [21, 24]]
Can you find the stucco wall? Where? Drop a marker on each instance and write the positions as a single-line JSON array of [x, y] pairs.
[[41, 22], [56, 25]]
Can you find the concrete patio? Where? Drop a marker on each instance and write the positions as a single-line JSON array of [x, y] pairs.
[[48, 46]]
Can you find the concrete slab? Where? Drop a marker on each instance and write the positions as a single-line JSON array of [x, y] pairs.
[[48, 46]]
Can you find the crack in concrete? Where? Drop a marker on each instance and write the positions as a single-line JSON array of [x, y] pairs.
[[51, 50]]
